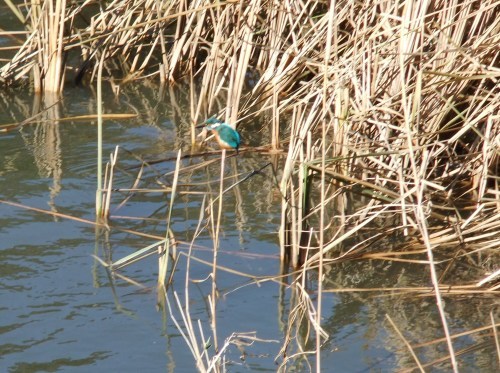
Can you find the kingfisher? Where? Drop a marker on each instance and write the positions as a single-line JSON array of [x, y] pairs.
[[227, 136]]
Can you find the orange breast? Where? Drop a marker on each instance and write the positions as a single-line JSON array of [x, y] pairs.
[[221, 142]]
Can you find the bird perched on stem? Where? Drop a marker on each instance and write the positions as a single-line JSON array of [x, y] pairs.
[[227, 136]]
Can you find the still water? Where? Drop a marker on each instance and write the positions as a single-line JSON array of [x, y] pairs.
[[62, 311]]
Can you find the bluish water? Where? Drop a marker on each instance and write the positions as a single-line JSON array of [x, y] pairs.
[[62, 311]]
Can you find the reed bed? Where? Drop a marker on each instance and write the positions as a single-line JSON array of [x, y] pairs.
[[387, 112]]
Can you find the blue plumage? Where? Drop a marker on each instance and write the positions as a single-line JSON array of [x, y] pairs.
[[226, 136]]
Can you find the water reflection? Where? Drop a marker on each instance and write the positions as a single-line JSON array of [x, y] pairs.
[[61, 308], [45, 142]]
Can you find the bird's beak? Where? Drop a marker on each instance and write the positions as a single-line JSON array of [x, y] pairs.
[[203, 134]]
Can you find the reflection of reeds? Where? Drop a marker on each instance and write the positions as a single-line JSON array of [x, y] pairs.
[[46, 143]]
